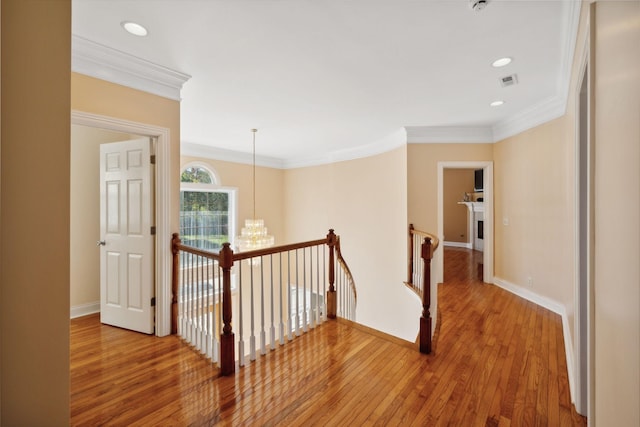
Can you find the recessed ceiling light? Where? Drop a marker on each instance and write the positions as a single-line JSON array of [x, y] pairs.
[[501, 62], [134, 28], [496, 103]]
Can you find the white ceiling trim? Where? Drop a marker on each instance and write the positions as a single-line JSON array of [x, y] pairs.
[[213, 153], [102, 62], [568, 40], [395, 139], [555, 106], [449, 134], [544, 111]]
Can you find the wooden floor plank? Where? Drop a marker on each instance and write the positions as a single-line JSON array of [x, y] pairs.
[[498, 361]]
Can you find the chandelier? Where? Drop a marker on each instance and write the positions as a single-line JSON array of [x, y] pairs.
[[254, 234]]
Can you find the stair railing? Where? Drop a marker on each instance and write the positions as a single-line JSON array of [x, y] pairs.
[[275, 294], [348, 297], [421, 246]]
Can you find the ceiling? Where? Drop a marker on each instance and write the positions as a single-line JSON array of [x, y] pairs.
[[326, 80]]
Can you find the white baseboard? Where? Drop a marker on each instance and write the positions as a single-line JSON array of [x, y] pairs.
[[568, 351], [529, 295], [557, 308], [84, 309], [458, 245]]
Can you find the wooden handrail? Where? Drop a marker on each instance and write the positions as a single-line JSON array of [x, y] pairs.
[[226, 259], [238, 256], [412, 255], [435, 242], [347, 270]]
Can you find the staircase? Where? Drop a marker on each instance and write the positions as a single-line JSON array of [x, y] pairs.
[[272, 295]]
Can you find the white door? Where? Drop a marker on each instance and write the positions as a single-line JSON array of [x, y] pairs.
[[126, 242]]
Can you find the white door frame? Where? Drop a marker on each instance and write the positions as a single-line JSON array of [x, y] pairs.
[[581, 387], [163, 257], [487, 166]]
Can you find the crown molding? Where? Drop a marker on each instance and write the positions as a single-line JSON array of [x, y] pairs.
[[542, 112], [105, 63], [449, 134], [555, 106], [214, 153], [395, 139], [568, 48]]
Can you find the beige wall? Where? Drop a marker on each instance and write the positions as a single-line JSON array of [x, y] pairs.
[[422, 173], [308, 193], [534, 192], [34, 268], [269, 192], [84, 282], [617, 213], [456, 183], [365, 201]]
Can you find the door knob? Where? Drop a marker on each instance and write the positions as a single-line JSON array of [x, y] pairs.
[[101, 243]]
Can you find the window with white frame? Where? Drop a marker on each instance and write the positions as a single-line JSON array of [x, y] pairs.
[[207, 210]]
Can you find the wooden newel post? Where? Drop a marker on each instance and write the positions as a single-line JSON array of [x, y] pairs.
[[331, 293], [175, 241], [227, 340], [425, 319]]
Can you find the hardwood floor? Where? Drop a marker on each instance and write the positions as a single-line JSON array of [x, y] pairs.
[[498, 361]]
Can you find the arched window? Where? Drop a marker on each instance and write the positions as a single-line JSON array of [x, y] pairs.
[[207, 210]]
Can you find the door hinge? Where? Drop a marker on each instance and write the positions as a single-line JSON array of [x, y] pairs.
[[153, 301], [153, 230], [153, 159]]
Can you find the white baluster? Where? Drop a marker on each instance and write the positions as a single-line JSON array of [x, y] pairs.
[[281, 304], [312, 308], [289, 299], [297, 325], [186, 296], [252, 337], [324, 284], [273, 321], [191, 302], [209, 301], [304, 291], [215, 308], [318, 295], [263, 347], [181, 297], [199, 301], [240, 317]]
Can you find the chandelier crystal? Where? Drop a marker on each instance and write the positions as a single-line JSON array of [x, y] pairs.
[[254, 234]]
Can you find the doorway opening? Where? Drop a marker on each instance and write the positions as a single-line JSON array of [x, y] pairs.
[[161, 207], [487, 219]]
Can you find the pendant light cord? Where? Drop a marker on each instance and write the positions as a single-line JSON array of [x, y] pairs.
[[254, 173]]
